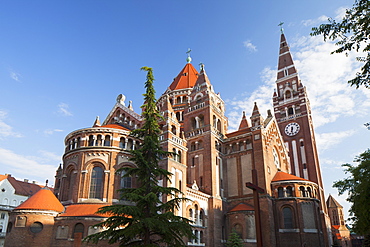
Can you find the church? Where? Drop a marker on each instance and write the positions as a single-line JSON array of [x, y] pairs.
[[262, 181]]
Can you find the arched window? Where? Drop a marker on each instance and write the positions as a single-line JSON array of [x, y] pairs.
[[201, 238], [302, 191], [96, 183], [78, 231], [290, 111], [107, 141], [126, 182], [78, 142], [122, 141], [201, 218], [280, 192], [190, 214], [288, 218], [309, 192], [91, 140], [179, 156], [173, 129], [99, 141], [196, 212], [289, 191], [239, 230], [288, 94]]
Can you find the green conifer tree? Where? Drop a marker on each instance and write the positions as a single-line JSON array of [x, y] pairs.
[[151, 220], [234, 240]]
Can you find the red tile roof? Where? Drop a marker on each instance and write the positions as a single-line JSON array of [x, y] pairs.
[[83, 210], [244, 123], [283, 176], [336, 226], [242, 207], [44, 199], [21, 187], [186, 78]]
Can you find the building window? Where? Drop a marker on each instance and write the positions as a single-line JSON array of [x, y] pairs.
[[126, 182], [289, 191], [79, 230], [280, 192], [2, 215], [239, 230], [96, 183], [62, 232], [20, 221], [107, 141], [9, 228], [288, 218], [36, 227], [276, 158]]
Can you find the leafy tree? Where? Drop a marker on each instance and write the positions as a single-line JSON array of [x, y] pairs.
[[358, 187], [151, 221], [234, 240], [352, 33]]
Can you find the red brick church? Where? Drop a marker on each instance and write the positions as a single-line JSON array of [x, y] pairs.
[[212, 167]]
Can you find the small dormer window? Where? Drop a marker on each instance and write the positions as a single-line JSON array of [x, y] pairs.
[[286, 72]]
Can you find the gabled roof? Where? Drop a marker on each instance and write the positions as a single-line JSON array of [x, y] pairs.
[[283, 176], [332, 203], [186, 78], [44, 199], [21, 187], [242, 207], [85, 210]]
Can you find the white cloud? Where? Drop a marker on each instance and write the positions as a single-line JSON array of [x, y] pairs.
[[63, 109], [250, 47], [52, 131], [326, 79], [327, 140], [5, 129], [22, 166], [15, 76]]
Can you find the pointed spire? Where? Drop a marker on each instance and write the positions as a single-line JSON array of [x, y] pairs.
[[255, 110], [97, 122], [256, 118], [285, 65], [244, 123], [202, 76], [186, 78], [130, 105]]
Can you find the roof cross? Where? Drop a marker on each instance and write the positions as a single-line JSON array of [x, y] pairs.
[[281, 27]]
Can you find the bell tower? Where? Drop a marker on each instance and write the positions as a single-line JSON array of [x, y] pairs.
[[293, 114], [205, 126]]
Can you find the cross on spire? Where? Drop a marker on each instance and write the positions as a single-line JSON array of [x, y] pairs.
[[188, 59], [281, 27]]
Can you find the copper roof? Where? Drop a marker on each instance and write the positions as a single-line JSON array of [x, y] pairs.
[[44, 199], [283, 176]]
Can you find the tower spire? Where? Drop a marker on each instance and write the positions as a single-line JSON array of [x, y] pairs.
[[285, 65]]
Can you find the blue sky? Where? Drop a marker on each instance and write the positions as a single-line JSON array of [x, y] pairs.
[[62, 63]]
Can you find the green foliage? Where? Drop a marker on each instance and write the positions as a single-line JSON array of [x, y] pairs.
[[351, 33], [358, 187], [150, 221], [234, 240]]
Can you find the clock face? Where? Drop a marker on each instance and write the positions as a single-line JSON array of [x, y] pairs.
[[292, 129]]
